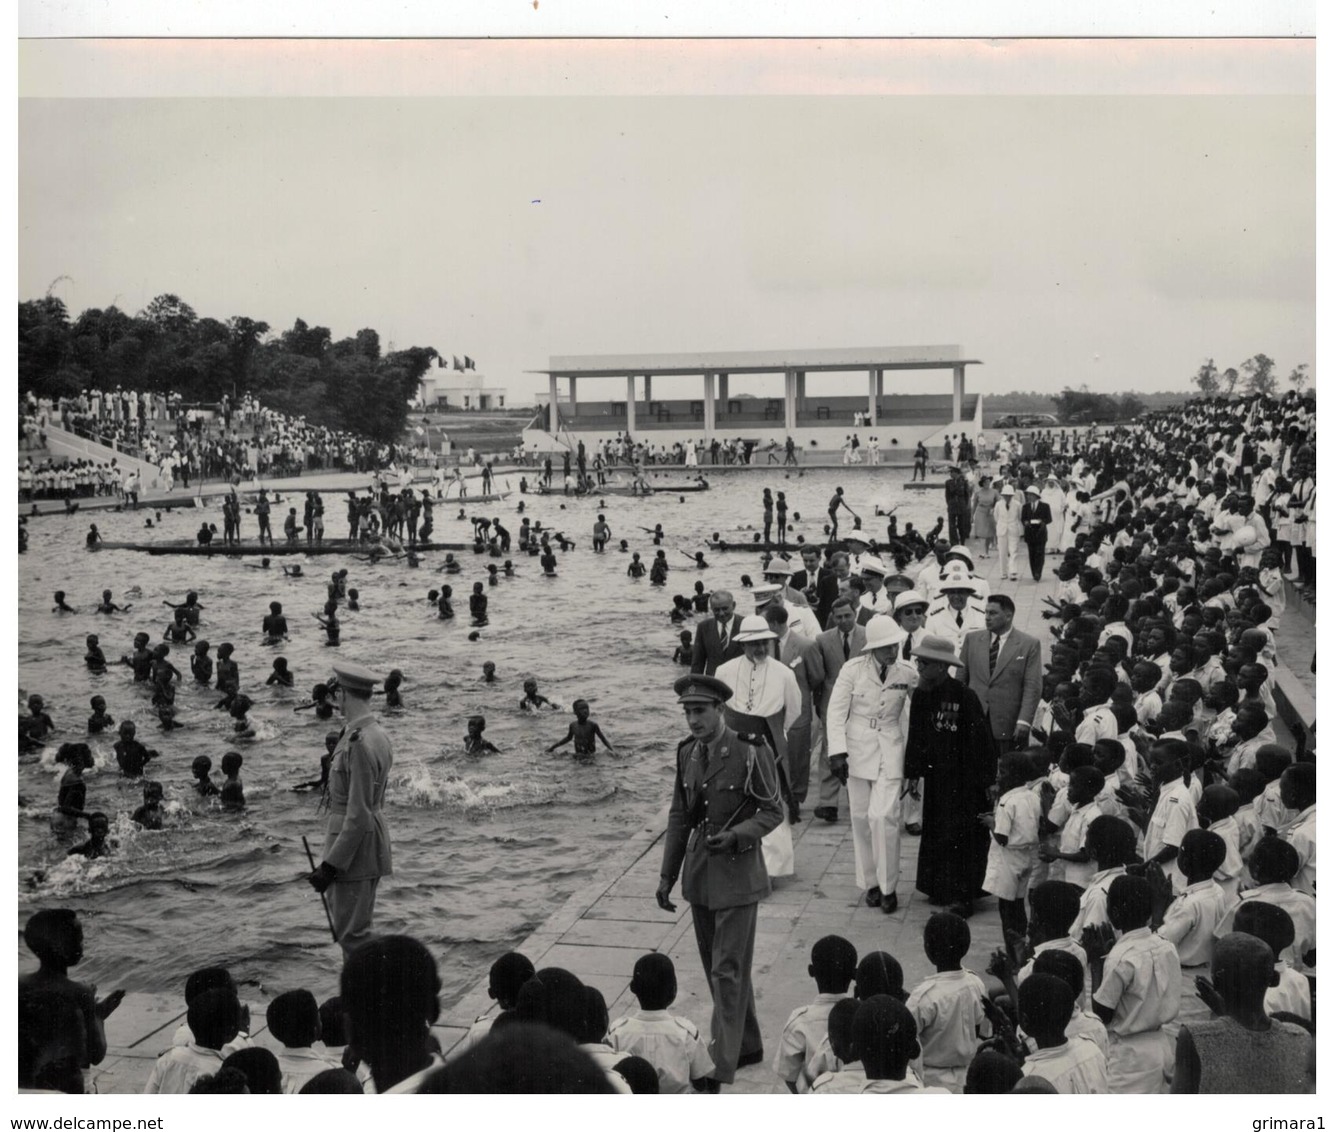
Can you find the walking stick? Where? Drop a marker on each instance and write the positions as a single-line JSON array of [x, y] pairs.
[[329, 919]]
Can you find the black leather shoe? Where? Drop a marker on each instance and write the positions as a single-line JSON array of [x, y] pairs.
[[890, 904], [794, 813], [751, 1059], [873, 898], [913, 829], [827, 813], [964, 908]]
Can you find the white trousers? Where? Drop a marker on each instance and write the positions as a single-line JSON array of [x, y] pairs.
[[1008, 551], [875, 809]]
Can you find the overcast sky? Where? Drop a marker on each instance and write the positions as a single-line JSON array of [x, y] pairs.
[[1064, 238]]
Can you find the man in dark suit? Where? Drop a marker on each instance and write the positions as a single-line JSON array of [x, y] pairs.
[[725, 798], [821, 579], [833, 648], [1035, 516], [716, 639], [1004, 667]]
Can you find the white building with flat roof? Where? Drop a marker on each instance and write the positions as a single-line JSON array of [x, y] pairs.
[[467, 390]]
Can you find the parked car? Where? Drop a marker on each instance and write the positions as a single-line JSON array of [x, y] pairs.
[[1026, 420]]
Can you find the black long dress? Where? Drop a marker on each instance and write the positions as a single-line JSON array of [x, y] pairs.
[[950, 748]]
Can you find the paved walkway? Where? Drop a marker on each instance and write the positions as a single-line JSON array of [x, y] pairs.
[[604, 927]]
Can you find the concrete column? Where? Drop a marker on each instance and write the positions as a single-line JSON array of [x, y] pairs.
[[723, 393], [709, 406], [553, 416], [871, 396], [648, 390], [572, 395], [630, 404], [790, 378], [957, 402], [801, 390]]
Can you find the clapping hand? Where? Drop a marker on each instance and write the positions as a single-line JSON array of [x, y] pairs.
[[104, 1008], [1097, 940], [1209, 995]]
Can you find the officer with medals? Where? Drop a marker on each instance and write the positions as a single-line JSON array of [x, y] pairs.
[[725, 799], [356, 849]]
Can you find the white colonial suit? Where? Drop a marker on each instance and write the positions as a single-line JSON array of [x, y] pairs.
[[868, 720]]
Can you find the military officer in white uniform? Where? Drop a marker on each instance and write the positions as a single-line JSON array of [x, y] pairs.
[[957, 611], [866, 726]]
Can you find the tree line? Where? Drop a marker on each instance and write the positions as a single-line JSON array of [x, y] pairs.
[[1255, 375], [345, 384]]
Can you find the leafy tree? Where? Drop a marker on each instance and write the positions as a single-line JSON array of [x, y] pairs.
[[1228, 381], [1300, 377], [1207, 379], [1260, 371], [1130, 407], [169, 314]]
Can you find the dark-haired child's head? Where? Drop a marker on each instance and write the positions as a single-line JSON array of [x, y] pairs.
[[1055, 905], [260, 1067], [1064, 966], [337, 1081], [1272, 760], [834, 962], [1217, 803], [294, 1019], [654, 981], [991, 1072], [1268, 922], [945, 940], [1297, 786], [1273, 861], [638, 1074], [1242, 969], [1085, 784], [231, 763], [595, 1019], [885, 1037], [1200, 855], [840, 1031], [214, 1017], [55, 936], [1075, 755], [1110, 841], [510, 972], [879, 973], [1130, 903], [1170, 760], [1014, 768], [1045, 1008], [331, 1023], [1109, 755]]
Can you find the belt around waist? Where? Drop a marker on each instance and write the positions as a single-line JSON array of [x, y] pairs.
[[875, 723]]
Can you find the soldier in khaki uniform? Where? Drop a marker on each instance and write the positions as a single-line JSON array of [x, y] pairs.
[[356, 848], [724, 800]]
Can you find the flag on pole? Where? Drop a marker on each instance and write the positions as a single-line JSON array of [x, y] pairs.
[[458, 365], [468, 363]]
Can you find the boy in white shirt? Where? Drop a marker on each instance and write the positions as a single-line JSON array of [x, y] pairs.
[[1297, 790], [834, 961], [1072, 811], [214, 1019], [1014, 849], [1218, 805], [672, 1045], [948, 1007], [1071, 1065], [294, 1019]]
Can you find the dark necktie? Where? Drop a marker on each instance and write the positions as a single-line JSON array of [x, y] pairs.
[[723, 633], [704, 757], [959, 619], [992, 652], [908, 647], [845, 646], [884, 669]]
